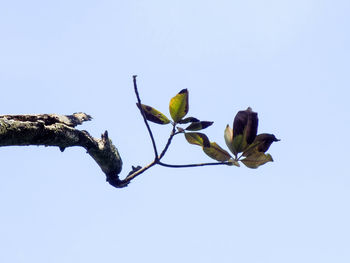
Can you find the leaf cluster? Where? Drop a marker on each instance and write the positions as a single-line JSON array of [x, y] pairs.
[[178, 108], [242, 140]]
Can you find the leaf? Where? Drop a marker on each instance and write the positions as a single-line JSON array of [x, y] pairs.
[[216, 152], [200, 125], [197, 138], [153, 115], [188, 120], [178, 106], [245, 124], [238, 143], [261, 143], [228, 135], [266, 141], [257, 159], [251, 149]]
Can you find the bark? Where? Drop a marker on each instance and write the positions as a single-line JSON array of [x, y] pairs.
[[59, 130]]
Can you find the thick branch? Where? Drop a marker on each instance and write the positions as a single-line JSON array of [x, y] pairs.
[[58, 130], [69, 120]]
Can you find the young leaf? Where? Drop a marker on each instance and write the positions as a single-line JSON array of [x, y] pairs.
[[216, 152], [228, 135], [187, 120], [197, 138], [257, 159], [178, 106], [153, 115], [200, 125], [238, 143]]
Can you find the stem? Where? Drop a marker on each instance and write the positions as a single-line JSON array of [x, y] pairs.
[[172, 134], [144, 118], [138, 172], [191, 165], [157, 158]]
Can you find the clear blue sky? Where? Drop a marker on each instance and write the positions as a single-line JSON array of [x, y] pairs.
[[288, 60]]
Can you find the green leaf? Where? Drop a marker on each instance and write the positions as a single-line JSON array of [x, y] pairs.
[[178, 106], [257, 159], [188, 120], [200, 125], [216, 152], [228, 135], [239, 144], [197, 138], [153, 115], [251, 149]]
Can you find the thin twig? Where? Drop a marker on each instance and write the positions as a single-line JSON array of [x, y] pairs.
[[157, 158], [130, 177], [192, 165], [138, 172], [168, 143], [144, 118]]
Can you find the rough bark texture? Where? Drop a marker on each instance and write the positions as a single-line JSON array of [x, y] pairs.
[[59, 130]]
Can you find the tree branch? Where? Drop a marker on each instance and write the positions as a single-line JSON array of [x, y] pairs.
[[58, 130]]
